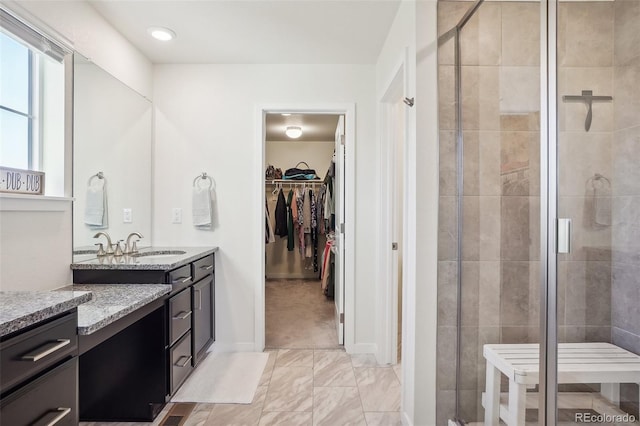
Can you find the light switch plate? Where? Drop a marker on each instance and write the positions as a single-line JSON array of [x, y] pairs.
[[126, 216], [176, 215]]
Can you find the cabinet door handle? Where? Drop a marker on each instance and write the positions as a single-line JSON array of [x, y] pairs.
[[199, 307], [181, 280], [184, 364], [182, 315], [60, 343], [207, 268], [60, 414]]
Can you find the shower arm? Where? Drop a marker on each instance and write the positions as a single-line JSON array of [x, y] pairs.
[[588, 98]]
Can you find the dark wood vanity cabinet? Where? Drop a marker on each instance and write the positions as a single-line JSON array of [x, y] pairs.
[[190, 310], [39, 374]]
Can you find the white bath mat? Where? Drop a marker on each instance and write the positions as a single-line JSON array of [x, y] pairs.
[[224, 378]]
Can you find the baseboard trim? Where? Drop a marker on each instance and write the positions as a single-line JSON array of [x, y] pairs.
[[406, 421], [362, 348], [232, 347]]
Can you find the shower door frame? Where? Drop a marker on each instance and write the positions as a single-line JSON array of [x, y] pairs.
[[548, 392]]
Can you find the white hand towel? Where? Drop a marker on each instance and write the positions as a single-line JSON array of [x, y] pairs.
[[96, 210], [202, 211]]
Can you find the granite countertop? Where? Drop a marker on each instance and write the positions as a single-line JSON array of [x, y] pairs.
[[113, 301], [163, 261], [20, 309]]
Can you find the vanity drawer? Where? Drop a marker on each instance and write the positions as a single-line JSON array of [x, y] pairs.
[[180, 362], [180, 277], [36, 350], [203, 267], [51, 399], [179, 315]]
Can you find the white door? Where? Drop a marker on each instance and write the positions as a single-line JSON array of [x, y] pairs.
[[340, 228]]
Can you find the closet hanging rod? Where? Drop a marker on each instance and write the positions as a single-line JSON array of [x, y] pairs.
[[294, 181]]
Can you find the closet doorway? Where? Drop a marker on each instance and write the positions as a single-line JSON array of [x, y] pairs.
[[304, 290]]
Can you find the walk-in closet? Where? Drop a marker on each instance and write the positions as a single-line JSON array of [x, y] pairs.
[[300, 226]]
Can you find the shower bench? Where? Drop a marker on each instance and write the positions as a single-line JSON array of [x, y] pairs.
[[602, 363]]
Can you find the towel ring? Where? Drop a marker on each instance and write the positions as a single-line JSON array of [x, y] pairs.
[[98, 175], [203, 176]]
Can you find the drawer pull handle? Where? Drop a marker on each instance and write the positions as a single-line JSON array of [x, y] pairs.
[[61, 343], [61, 414], [182, 315], [207, 268], [181, 280], [184, 364]]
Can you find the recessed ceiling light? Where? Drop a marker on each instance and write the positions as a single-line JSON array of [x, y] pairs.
[[162, 34], [294, 132], [285, 114]]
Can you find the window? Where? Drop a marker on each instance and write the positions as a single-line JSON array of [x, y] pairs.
[[16, 105], [32, 102]]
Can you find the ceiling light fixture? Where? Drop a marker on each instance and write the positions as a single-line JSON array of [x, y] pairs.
[[285, 114], [294, 132], [162, 34]]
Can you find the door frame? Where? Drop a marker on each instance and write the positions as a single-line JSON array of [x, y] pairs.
[[388, 288], [349, 112]]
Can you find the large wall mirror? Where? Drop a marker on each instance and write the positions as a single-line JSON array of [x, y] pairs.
[[112, 159]]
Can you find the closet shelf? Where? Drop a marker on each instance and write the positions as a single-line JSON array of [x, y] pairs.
[[294, 182]]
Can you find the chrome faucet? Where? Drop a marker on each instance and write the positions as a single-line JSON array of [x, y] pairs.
[[109, 245], [131, 248]]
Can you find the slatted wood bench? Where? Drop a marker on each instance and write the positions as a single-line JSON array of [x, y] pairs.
[[577, 363]]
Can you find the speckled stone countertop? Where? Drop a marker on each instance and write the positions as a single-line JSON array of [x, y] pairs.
[[163, 260], [113, 301], [20, 309]]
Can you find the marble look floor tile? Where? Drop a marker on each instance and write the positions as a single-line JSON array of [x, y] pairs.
[[288, 418], [337, 406], [363, 360], [398, 370], [332, 368], [294, 358], [379, 389], [268, 369], [199, 415], [383, 419], [238, 414], [291, 389]]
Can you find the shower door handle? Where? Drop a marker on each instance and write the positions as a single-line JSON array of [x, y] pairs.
[[563, 230]]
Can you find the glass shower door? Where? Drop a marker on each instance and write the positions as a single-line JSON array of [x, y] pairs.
[[489, 242], [598, 265]]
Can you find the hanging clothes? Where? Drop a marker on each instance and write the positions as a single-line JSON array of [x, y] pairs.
[[269, 236], [314, 229], [282, 229], [290, 227], [300, 205]]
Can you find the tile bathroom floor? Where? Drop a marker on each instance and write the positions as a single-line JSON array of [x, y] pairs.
[[308, 387], [298, 315]]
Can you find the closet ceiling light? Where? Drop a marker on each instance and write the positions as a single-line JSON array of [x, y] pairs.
[[162, 34], [294, 132]]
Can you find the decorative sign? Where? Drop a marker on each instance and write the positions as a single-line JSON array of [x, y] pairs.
[[19, 181]]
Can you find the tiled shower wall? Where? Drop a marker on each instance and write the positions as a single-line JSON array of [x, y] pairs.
[[500, 244], [626, 186], [501, 197]]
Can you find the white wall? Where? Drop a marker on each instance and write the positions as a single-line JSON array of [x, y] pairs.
[[205, 118], [35, 246], [94, 38], [425, 168]]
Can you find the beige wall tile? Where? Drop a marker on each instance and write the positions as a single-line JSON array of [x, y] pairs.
[[626, 96], [480, 98], [448, 164], [446, 97], [520, 33], [580, 156], [447, 229], [626, 157], [447, 293], [489, 294], [519, 89], [480, 38], [585, 34], [490, 227], [627, 37], [489, 167]]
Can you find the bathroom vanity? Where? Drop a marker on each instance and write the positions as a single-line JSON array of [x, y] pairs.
[[131, 367], [39, 357]]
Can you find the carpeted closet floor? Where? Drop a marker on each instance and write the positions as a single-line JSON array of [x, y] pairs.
[[299, 316]]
